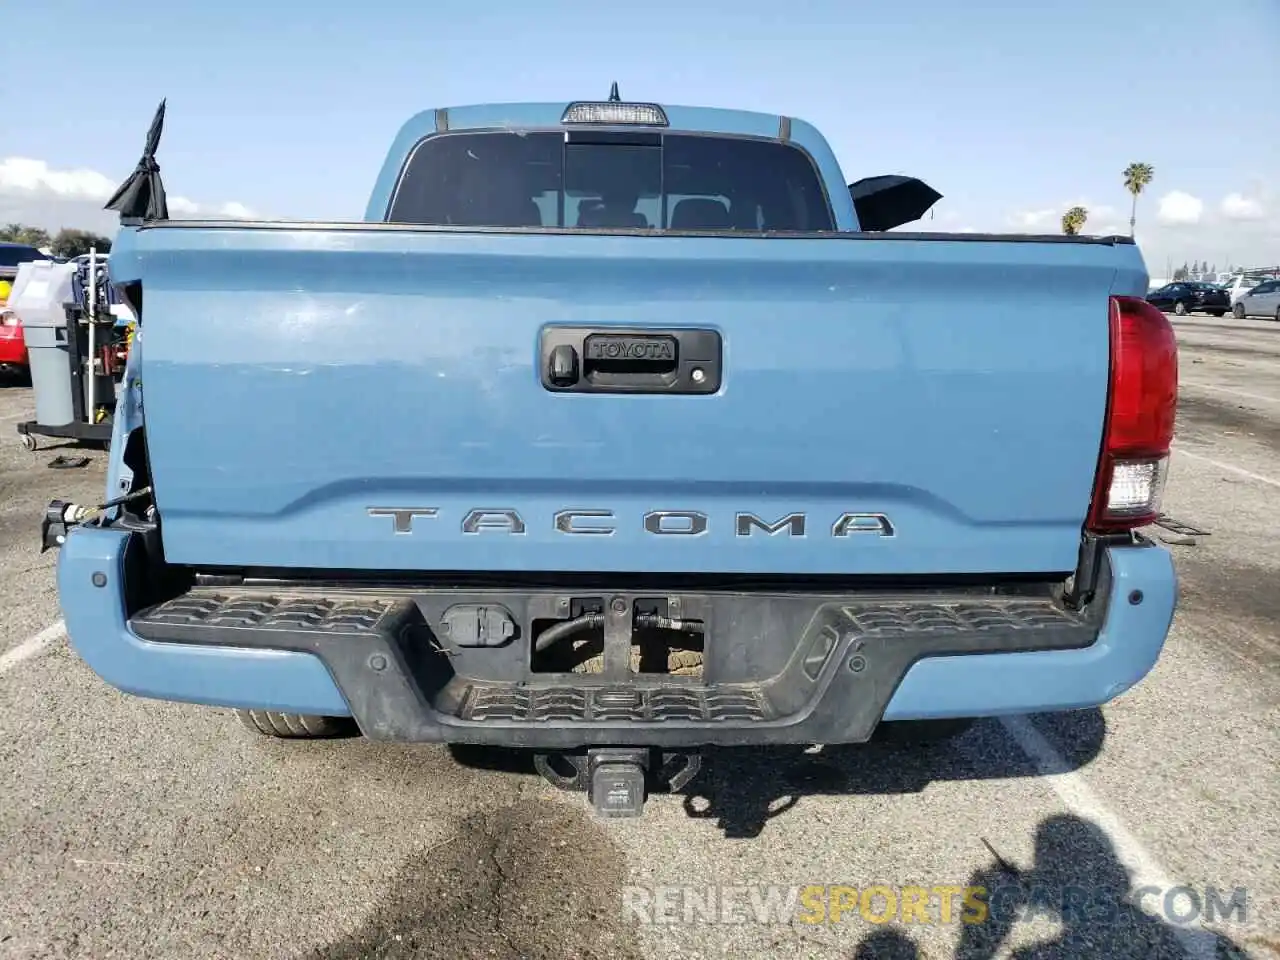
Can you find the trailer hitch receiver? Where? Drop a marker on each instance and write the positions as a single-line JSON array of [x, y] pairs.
[[617, 779]]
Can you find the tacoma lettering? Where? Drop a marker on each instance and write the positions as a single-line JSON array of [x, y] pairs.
[[688, 523], [663, 523], [792, 523], [402, 517], [478, 520], [574, 521], [873, 523]]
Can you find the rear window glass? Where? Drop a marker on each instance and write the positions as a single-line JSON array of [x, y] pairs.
[[610, 180]]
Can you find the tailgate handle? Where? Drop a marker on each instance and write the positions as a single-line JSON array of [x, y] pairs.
[[629, 359], [610, 360]]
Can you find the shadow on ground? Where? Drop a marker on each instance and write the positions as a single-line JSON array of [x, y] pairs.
[[740, 790], [532, 879], [1078, 887]]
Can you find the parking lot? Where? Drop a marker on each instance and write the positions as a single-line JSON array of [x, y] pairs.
[[145, 829]]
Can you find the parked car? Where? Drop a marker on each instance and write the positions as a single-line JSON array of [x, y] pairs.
[[581, 487], [13, 346], [1262, 301], [1238, 286], [1191, 296]]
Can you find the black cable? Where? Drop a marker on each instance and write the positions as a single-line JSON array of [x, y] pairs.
[[590, 620], [566, 627], [127, 498]]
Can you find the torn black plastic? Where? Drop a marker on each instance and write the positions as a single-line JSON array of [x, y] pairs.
[[142, 196]]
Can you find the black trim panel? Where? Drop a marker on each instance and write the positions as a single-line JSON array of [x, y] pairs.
[[380, 227]]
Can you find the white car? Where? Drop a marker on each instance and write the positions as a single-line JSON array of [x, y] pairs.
[[1238, 286], [1261, 301]]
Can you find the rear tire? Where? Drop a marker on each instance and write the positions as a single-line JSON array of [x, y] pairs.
[[1180, 309], [296, 726], [1238, 311]]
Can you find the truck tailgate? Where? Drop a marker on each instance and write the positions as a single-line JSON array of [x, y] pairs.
[[370, 398]]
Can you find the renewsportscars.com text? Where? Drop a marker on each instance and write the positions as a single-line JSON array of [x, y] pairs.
[[921, 904]]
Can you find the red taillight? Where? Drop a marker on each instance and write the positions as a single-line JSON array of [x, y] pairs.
[[1142, 400]]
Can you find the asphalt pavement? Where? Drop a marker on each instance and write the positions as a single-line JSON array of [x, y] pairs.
[[133, 828]]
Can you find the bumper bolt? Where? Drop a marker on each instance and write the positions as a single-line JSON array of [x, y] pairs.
[[619, 605], [99, 579], [377, 662], [1135, 597], [857, 663]]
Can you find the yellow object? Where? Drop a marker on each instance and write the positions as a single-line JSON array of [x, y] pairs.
[[6, 288]]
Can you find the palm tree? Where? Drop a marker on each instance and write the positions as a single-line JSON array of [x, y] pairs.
[[1073, 220], [1136, 178]]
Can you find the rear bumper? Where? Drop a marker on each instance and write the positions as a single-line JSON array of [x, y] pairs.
[[822, 670]]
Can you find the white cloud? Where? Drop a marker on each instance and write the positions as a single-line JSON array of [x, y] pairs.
[[1036, 219], [1178, 208], [35, 176], [36, 194], [1175, 227], [1236, 206], [1049, 219]]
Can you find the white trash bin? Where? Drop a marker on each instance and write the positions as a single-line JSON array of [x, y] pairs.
[[40, 294]]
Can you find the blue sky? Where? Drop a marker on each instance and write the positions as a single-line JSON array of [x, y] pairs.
[[1012, 110]]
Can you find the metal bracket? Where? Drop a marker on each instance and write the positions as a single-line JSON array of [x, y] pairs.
[[1085, 580], [618, 630], [1183, 533]]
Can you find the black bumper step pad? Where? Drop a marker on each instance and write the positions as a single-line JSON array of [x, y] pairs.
[[708, 704], [196, 617], [905, 618]]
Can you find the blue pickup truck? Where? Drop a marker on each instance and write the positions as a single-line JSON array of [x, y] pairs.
[[611, 433]]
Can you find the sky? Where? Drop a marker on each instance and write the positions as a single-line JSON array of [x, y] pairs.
[[1014, 111]]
